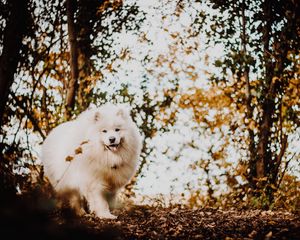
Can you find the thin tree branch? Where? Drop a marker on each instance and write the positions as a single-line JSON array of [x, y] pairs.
[[29, 115], [284, 170]]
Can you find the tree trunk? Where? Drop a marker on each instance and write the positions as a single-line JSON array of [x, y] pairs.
[[72, 85], [249, 108], [12, 42], [268, 106], [87, 14], [14, 32]]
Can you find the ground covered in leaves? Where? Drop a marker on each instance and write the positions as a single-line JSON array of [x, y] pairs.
[[144, 222]]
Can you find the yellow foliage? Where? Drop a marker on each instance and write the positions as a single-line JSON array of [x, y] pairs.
[[125, 54], [218, 155], [174, 35], [252, 125], [202, 101], [29, 125], [109, 67], [114, 4]]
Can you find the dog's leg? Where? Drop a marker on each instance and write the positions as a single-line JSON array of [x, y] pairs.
[[73, 199], [112, 200], [99, 205], [76, 204]]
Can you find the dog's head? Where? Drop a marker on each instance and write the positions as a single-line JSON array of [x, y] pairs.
[[112, 123]]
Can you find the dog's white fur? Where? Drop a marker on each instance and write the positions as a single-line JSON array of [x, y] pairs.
[[78, 156]]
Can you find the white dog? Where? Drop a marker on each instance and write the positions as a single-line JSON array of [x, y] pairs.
[[94, 155]]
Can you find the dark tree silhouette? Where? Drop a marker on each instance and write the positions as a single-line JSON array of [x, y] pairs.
[[15, 29]]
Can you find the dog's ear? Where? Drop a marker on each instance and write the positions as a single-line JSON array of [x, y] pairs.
[[96, 116], [123, 112]]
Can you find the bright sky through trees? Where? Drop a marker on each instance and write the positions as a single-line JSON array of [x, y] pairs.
[[214, 87]]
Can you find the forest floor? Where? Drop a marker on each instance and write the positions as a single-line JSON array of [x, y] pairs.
[[145, 222]]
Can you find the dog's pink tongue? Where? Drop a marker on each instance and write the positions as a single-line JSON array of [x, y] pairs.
[[114, 148]]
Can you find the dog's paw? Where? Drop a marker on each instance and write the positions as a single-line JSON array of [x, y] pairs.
[[80, 212], [107, 216]]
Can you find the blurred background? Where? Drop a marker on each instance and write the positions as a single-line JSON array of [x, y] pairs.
[[213, 85]]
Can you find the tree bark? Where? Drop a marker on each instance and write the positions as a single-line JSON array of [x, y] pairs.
[[12, 42], [268, 106], [249, 108], [72, 85], [14, 32]]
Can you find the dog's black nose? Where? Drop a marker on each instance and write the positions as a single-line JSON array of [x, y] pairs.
[[112, 139]]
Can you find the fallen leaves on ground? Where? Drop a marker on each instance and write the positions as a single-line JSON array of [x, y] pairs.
[[144, 222]]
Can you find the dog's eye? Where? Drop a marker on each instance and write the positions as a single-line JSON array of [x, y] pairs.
[[117, 129], [105, 131]]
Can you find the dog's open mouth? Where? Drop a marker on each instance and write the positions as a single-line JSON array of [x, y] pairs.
[[112, 147]]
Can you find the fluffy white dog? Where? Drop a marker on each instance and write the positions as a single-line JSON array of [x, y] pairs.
[[94, 155]]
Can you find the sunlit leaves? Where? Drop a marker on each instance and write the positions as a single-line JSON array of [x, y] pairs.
[[177, 82], [37, 100], [107, 4]]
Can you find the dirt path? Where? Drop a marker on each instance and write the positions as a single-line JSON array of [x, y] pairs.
[[141, 222], [33, 219]]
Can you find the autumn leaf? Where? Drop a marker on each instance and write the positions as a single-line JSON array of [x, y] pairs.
[[69, 158], [252, 125], [109, 67], [78, 150], [84, 142]]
